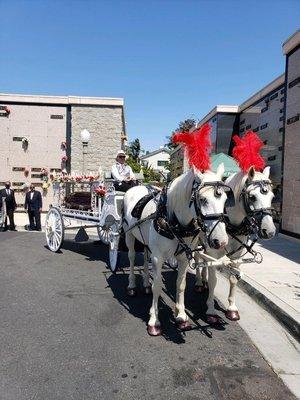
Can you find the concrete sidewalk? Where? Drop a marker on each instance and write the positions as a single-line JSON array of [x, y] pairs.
[[274, 284]]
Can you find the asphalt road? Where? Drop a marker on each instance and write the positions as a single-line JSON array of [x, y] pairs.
[[68, 331]]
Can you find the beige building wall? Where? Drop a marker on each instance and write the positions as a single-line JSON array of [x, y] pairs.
[[291, 167], [44, 134]]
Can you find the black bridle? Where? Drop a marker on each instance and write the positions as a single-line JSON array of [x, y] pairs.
[[219, 187], [256, 214]]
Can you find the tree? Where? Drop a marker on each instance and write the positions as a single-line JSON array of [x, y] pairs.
[[183, 126], [135, 149]]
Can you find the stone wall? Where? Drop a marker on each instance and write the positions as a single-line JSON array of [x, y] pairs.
[[105, 124]]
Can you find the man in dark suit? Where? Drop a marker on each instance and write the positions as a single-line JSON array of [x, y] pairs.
[[33, 204], [9, 196]]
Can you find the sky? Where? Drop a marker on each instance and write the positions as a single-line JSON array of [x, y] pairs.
[[170, 60]]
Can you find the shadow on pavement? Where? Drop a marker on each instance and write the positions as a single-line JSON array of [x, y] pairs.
[[283, 247]]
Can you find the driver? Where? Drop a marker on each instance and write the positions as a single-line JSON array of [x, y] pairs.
[[122, 173]]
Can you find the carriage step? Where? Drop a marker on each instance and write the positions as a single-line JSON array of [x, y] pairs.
[[81, 235]]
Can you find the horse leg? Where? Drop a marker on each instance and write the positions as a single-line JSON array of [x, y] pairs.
[[154, 324], [201, 279], [146, 283], [131, 289], [181, 317], [232, 312], [212, 317]]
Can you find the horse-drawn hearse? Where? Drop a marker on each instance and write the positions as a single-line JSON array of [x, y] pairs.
[[198, 220]]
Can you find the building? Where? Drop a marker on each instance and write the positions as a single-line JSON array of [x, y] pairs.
[[158, 160], [290, 223], [263, 113], [44, 132], [273, 112]]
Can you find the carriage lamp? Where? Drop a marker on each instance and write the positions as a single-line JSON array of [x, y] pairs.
[[85, 138]]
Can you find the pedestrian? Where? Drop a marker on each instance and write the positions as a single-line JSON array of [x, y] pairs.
[[33, 204], [9, 197], [122, 173]]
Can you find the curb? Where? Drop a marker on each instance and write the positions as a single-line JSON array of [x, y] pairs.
[[284, 314]]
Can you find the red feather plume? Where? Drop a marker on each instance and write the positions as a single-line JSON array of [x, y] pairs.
[[246, 151], [197, 146]]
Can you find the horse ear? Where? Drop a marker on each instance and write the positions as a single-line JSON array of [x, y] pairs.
[[251, 173], [221, 170], [266, 172]]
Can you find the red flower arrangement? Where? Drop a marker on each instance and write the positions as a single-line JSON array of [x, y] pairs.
[[44, 172], [64, 158], [100, 191]]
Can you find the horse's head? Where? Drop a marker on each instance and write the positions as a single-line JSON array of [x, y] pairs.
[[257, 197], [209, 200]]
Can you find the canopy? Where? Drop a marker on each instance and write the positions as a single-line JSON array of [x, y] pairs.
[[230, 164]]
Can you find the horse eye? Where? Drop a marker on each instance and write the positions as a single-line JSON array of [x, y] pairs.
[[252, 197]]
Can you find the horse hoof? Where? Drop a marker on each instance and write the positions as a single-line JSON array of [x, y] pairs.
[[212, 319], [131, 292], [154, 330], [232, 315], [199, 289], [148, 290], [184, 325]]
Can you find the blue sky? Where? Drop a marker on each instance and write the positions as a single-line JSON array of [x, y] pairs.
[[170, 60]]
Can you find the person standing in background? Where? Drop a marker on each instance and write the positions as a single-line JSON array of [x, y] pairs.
[[9, 195], [33, 204]]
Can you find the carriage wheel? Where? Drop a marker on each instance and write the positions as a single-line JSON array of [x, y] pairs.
[[55, 230], [171, 263], [114, 238], [103, 233]]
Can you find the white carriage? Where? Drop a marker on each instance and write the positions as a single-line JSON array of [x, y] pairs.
[[82, 204]]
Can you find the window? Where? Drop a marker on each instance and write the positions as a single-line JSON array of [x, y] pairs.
[[214, 120], [281, 118], [264, 109], [272, 158], [242, 122], [256, 129], [281, 129], [242, 130], [281, 110], [294, 82], [282, 91], [264, 126], [282, 100], [248, 126], [274, 96], [280, 148], [161, 163], [56, 116], [293, 119]]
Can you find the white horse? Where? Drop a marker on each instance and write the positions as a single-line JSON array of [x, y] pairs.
[[253, 197], [189, 194]]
